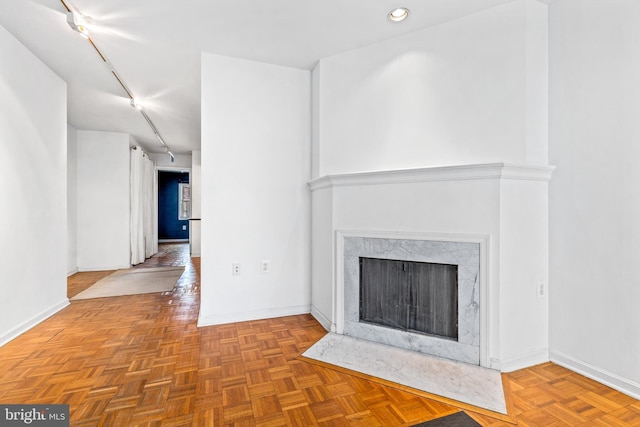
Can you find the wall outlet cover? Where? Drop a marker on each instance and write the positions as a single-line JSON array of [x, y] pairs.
[[235, 269], [265, 266]]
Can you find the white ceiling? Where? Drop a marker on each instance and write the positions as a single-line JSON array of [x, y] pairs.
[[155, 45]]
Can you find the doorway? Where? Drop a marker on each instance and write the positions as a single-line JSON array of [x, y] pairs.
[[174, 206]]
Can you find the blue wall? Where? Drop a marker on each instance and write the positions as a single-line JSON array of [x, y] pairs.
[[169, 226]]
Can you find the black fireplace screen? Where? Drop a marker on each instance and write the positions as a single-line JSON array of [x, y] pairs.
[[411, 296]]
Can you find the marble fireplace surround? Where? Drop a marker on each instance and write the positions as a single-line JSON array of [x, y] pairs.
[[463, 251]]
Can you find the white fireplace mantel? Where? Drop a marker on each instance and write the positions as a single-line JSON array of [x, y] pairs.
[[505, 204]]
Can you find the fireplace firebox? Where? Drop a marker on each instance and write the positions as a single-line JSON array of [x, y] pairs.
[[411, 296]]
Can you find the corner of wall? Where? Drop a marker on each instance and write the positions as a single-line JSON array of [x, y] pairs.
[[324, 321], [315, 120], [537, 82]]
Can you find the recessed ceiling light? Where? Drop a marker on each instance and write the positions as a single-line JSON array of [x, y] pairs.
[[399, 14]]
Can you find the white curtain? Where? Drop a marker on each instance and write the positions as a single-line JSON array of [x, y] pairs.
[[144, 241]]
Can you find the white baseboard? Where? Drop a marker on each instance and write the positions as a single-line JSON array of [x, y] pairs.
[[30, 323], [603, 376], [195, 254], [321, 318], [103, 267], [522, 361], [221, 319], [72, 272]]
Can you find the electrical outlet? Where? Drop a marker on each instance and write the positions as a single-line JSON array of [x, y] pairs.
[[265, 267], [184, 227], [541, 289], [235, 269]]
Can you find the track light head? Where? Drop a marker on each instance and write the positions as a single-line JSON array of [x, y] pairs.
[[76, 23], [136, 104]]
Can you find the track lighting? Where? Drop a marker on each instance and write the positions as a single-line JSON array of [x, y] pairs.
[[76, 22]]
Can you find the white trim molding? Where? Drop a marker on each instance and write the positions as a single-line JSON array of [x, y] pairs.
[[510, 364], [30, 323], [103, 267], [623, 385], [221, 319], [438, 173]]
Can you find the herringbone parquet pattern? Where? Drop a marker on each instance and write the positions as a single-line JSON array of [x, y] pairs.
[[141, 361]]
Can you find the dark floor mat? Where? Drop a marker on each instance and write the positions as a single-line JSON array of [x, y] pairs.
[[459, 419]]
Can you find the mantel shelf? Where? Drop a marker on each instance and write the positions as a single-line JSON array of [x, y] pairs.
[[438, 173]]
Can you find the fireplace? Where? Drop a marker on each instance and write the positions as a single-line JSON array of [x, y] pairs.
[[420, 297], [497, 213]]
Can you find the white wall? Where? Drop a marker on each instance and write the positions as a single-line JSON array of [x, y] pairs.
[[594, 196], [468, 91], [255, 200], [323, 268], [103, 201], [524, 265], [33, 168], [316, 96], [195, 233], [72, 200]]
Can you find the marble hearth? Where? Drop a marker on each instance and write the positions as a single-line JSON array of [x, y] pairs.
[[467, 384]]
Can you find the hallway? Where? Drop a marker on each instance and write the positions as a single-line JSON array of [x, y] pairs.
[[169, 255]]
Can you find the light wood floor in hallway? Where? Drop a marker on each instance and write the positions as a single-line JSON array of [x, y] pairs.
[[141, 361]]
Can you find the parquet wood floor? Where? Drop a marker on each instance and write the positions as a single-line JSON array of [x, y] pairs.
[[141, 361]]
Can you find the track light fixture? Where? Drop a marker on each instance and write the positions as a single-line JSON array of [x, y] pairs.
[[136, 104], [76, 22]]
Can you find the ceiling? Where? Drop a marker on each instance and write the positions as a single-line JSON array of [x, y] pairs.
[[155, 46]]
